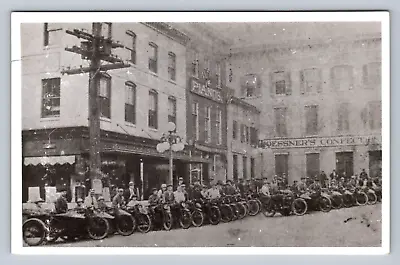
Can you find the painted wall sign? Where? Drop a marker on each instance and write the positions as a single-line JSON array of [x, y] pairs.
[[206, 91], [320, 142]]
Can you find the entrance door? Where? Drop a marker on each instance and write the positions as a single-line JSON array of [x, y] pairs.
[[281, 164], [312, 165], [375, 163], [344, 163]]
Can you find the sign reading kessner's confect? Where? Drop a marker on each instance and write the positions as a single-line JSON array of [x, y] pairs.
[[320, 142], [206, 91]]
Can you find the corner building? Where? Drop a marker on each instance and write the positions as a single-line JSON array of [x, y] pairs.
[[320, 105]]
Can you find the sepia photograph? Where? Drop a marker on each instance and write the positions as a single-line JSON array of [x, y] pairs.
[[201, 130]]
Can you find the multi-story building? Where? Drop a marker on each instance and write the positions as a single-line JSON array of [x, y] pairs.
[[206, 103], [136, 103], [320, 104], [244, 159]]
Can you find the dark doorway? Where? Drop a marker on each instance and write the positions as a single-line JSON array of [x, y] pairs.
[[344, 163], [312, 165], [281, 164], [375, 163]]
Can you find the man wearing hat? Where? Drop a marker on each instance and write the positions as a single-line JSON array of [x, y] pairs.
[[169, 195], [229, 189], [79, 204], [101, 203], [118, 199], [61, 204], [179, 194], [154, 200], [204, 192], [163, 189], [90, 200], [302, 185], [130, 192]]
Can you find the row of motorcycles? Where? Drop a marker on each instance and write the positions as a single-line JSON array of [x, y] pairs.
[[40, 226]]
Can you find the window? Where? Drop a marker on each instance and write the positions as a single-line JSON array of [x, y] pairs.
[[153, 57], [130, 102], [311, 80], [243, 133], [311, 119], [252, 168], [280, 121], [132, 47], [372, 75], [244, 167], [235, 167], [106, 30], [50, 34], [218, 74], [247, 134], [172, 66], [218, 125], [281, 164], [281, 83], [195, 65], [234, 129], [153, 109], [375, 115], [343, 117], [172, 110], [207, 129], [312, 165], [253, 136], [195, 120], [51, 97], [342, 77], [250, 85], [105, 96]]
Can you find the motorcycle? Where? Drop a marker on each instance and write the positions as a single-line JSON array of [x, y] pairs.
[[182, 214], [123, 222], [372, 197], [317, 201], [225, 210], [162, 216], [354, 196], [253, 204], [196, 210], [336, 198], [212, 211], [142, 216]]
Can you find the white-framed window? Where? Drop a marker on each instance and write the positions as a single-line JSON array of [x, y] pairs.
[[51, 96], [172, 66], [311, 113], [218, 125], [207, 125], [375, 115], [281, 83], [372, 75], [311, 80], [280, 121], [343, 124], [105, 96], [153, 57], [342, 77], [132, 46], [130, 102], [195, 120], [153, 109]]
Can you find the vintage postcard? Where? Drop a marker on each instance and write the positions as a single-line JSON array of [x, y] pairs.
[[148, 133]]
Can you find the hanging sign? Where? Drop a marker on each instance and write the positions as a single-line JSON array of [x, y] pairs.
[[206, 91]]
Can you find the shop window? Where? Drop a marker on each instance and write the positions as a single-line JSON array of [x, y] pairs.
[[281, 164], [132, 46], [105, 96], [280, 121], [311, 113], [51, 97], [342, 77], [130, 102], [153, 109], [153, 57]]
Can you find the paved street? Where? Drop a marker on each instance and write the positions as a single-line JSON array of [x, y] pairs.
[[354, 227]]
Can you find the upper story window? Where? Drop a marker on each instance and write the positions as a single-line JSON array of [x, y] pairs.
[[50, 34], [153, 109], [172, 110], [153, 57], [311, 113], [342, 77], [51, 97], [375, 115], [218, 74], [250, 85], [195, 120], [172, 66], [132, 46], [105, 96], [253, 136], [130, 102], [280, 121], [234, 129], [207, 125], [281, 83], [195, 65], [218, 124], [106, 29], [343, 124], [311, 80], [372, 75]]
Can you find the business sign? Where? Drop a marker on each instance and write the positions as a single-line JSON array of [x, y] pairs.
[[206, 91], [320, 142]]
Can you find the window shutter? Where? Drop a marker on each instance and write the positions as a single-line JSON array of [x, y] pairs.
[[302, 82], [288, 83]]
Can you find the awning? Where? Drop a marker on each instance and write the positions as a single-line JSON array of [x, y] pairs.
[[49, 160]]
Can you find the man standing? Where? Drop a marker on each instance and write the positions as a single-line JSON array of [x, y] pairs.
[[334, 175], [363, 174], [323, 178], [130, 192], [118, 199], [179, 195], [61, 203], [90, 200], [302, 186]]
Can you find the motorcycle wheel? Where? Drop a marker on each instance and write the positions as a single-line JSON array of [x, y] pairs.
[[39, 234], [167, 221], [185, 219], [144, 223], [197, 218], [285, 211], [361, 199], [268, 209], [347, 200], [325, 204], [126, 225], [372, 198], [299, 206], [259, 205], [215, 215], [337, 202], [241, 210], [98, 228], [235, 212], [254, 208], [226, 213]]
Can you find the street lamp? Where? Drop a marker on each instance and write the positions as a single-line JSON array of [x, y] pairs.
[[173, 143]]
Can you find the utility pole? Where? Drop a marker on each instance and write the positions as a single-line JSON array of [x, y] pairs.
[[95, 48]]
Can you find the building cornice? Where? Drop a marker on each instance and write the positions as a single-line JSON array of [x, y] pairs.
[[240, 102], [168, 31]]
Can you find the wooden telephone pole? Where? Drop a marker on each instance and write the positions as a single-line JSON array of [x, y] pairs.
[[96, 48]]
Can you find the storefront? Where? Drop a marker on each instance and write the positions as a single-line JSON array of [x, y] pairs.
[[298, 157]]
